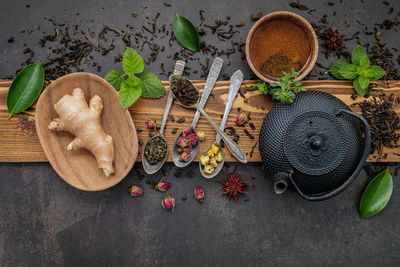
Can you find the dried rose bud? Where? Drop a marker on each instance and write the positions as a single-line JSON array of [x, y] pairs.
[[201, 135], [183, 142], [199, 193], [168, 203], [193, 139], [185, 156], [162, 186], [151, 124], [242, 118], [136, 191], [187, 132]]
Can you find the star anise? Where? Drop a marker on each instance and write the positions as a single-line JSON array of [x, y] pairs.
[[233, 186], [333, 41]]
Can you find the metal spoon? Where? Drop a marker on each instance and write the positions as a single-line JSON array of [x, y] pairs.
[[234, 148], [236, 82], [150, 169], [211, 79]]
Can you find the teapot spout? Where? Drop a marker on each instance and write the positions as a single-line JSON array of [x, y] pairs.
[[280, 182]]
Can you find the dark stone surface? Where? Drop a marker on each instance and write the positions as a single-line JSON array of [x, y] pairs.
[[45, 222]]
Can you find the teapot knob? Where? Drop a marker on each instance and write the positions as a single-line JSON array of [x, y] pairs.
[[316, 142]]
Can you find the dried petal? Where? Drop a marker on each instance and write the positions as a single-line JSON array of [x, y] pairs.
[[162, 186], [199, 193], [168, 203], [151, 124], [136, 191]]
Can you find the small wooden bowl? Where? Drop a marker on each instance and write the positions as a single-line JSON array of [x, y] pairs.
[[300, 21], [79, 168]]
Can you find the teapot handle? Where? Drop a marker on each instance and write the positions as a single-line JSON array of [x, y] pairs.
[[367, 143]]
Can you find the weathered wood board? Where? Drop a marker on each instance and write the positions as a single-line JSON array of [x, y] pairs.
[[19, 142]]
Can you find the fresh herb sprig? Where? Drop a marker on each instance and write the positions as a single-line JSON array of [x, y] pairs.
[[360, 71], [284, 90], [130, 87]]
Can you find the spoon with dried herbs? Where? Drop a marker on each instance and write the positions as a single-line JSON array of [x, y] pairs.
[[186, 143], [213, 157], [155, 151], [234, 148]]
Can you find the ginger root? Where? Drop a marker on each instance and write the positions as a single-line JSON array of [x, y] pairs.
[[83, 121]]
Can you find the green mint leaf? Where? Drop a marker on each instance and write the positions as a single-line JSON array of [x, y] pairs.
[[377, 194], [376, 72], [115, 78], [25, 88], [132, 62], [348, 72], [357, 54], [151, 85], [361, 85], [334, 70], [251, 88], [186, 34], [130, 92], [364, 62]]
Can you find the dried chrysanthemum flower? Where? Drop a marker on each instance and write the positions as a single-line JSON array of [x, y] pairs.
[[201, 136]]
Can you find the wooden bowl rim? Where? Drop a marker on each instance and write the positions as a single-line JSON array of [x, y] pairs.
[[85, 75], [304, 24]]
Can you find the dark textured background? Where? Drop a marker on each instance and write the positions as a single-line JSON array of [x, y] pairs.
[[45, 222]]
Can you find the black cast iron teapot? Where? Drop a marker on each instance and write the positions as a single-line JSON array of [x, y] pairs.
[[316, 144]]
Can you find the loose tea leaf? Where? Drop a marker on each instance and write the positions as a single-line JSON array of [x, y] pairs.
[[186, 33], [25, 88], [377, 194]]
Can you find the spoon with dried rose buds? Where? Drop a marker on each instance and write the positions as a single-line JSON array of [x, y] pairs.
[[186, 146], [213, 157], [155, 152]]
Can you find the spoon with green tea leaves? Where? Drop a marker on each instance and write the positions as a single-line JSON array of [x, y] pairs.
[[186, 146], [155, 152], [213, 157], [234, 148]]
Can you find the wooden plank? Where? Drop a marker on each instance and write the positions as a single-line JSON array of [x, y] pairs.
[[19, 142]]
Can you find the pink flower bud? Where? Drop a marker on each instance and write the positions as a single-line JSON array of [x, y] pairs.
[[162, 186], [151, 124], [193, 139], [168, 203], [187, 132], [183, 142], [185, 156], [199, 193], [242, 118], [136, 191]]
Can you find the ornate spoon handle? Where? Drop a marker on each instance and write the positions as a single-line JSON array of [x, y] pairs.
[[211, 79], [236, 82], [179, 66]]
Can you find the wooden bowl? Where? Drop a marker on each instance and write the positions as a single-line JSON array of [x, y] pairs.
[[79, 168], [300, 21]]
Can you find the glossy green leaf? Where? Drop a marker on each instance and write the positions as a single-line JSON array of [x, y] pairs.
[[364, 62], [348, 72], [334, 70], [357, 54], [130, 92], [186, 34], [361, 85], [377, 194], [151, 85], [132, 62], [115, 78], [25, 88], [376, 73]]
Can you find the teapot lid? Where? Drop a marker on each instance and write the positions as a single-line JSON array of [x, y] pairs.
[[315, 142]]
